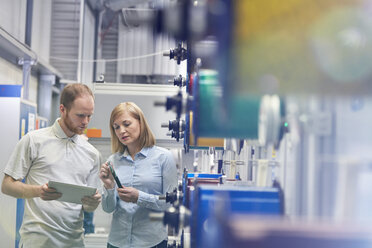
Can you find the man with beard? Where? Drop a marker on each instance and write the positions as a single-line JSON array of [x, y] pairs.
[[57, 153]]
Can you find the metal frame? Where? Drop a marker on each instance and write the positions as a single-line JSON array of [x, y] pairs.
[[135, 89], [12, 50]]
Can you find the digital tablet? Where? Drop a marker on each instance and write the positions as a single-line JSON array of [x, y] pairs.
[[71, 192]]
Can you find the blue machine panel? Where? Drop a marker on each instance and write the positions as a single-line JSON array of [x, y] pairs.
[[187, 200], [211, 201], [203, 175]]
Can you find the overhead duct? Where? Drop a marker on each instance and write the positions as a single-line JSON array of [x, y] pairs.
[[117, 5], [132, 17]]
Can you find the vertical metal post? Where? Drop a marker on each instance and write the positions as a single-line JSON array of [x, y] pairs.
[[81, 34], [29, 9], [96, 33], [26, 73]]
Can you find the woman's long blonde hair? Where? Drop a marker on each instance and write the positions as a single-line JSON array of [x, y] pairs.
[[146, 138]]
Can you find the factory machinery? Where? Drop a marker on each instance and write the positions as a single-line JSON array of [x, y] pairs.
[[269, 88]]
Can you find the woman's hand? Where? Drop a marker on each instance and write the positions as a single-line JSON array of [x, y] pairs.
[[128, 194], [106, 176]]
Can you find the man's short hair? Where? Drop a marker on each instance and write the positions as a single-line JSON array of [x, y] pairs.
[[71, 92]]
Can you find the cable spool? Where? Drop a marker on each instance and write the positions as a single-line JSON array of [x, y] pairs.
[[200, 141], [210, 105], [214, 116], [243, 116]]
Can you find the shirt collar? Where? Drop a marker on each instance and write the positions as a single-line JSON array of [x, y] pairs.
[[59, 133], [144, 152]]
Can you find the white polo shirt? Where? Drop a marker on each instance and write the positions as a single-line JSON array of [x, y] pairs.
[[48, 154]]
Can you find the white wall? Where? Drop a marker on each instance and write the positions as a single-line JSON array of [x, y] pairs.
[[41, 23], [9, 73], [13, 17]]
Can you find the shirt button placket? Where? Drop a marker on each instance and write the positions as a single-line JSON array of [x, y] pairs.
[[67, 148], [133, 171]]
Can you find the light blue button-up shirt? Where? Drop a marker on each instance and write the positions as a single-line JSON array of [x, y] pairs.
[[153, 172]]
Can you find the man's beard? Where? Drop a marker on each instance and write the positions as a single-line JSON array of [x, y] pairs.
[[69, 125]]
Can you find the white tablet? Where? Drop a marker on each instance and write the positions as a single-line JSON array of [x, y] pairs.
[[71, 192]]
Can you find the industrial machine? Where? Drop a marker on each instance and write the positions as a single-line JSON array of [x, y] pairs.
[[274, 89]]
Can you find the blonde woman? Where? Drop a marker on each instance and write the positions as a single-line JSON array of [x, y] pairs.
[[145, 171]]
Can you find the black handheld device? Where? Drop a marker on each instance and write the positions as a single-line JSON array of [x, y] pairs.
[[115, 176]]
